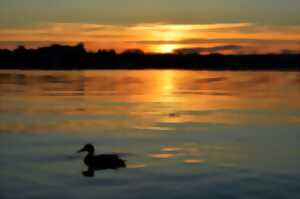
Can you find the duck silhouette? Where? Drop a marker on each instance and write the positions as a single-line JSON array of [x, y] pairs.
[[100, 162]]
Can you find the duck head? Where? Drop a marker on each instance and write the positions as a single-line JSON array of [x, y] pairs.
[[88, 148]]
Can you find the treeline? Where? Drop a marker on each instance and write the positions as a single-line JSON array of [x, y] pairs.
[[63, 57]]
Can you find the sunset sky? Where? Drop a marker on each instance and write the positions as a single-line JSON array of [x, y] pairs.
[[204, 26]]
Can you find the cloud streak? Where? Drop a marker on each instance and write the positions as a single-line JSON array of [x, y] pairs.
[[156, 37], [214, 49], [145, 11], [220, 40]]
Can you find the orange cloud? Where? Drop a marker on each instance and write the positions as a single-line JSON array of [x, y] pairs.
[[157, 37]]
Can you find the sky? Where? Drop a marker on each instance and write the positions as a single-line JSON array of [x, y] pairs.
[[204, 26]]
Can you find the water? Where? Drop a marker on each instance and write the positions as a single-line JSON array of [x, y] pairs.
[[184, 134]]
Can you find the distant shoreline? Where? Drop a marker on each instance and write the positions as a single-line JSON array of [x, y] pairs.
[[62, 57]]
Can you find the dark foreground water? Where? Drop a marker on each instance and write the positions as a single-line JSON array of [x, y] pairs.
[[184, 134]]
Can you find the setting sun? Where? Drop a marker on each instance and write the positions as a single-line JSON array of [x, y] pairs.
[[166, 48]]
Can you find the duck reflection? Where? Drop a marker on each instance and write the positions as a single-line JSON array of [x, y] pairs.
[[100, 162]]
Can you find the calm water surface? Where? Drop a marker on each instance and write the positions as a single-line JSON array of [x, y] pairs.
[[184, 134]]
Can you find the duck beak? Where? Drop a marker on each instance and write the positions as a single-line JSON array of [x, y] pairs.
[[81, 150]]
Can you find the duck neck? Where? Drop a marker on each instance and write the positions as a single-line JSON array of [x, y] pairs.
[[91, 153]]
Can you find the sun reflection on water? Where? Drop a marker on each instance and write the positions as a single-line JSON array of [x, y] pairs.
[[151, 100], [173, 128]]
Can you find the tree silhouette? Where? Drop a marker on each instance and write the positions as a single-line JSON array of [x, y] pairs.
[[64, 57]]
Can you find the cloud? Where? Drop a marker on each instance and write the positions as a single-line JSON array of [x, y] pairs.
[[145, 11], [156, 37], [207, 50], [289, 51], [220, 40]]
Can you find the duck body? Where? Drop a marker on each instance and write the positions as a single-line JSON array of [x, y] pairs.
[[103, 161]]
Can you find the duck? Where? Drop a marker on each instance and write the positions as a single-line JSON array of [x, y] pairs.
[[102, 161]]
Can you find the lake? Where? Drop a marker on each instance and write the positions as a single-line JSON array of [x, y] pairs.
[[183, 134]]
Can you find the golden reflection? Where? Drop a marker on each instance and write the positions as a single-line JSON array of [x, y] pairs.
[[151, 100], [135, 166], [167, 82], [171, 149], [193, 161], [162, 155]]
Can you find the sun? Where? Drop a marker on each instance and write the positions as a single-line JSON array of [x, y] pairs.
[[166, 48], [167, 37]]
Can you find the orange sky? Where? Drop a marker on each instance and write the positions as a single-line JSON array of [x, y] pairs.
[[158, 37], [203, 26]]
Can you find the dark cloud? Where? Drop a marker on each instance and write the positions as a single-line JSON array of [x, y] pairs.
[[208, 41], [289, 51], [207, 50]]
